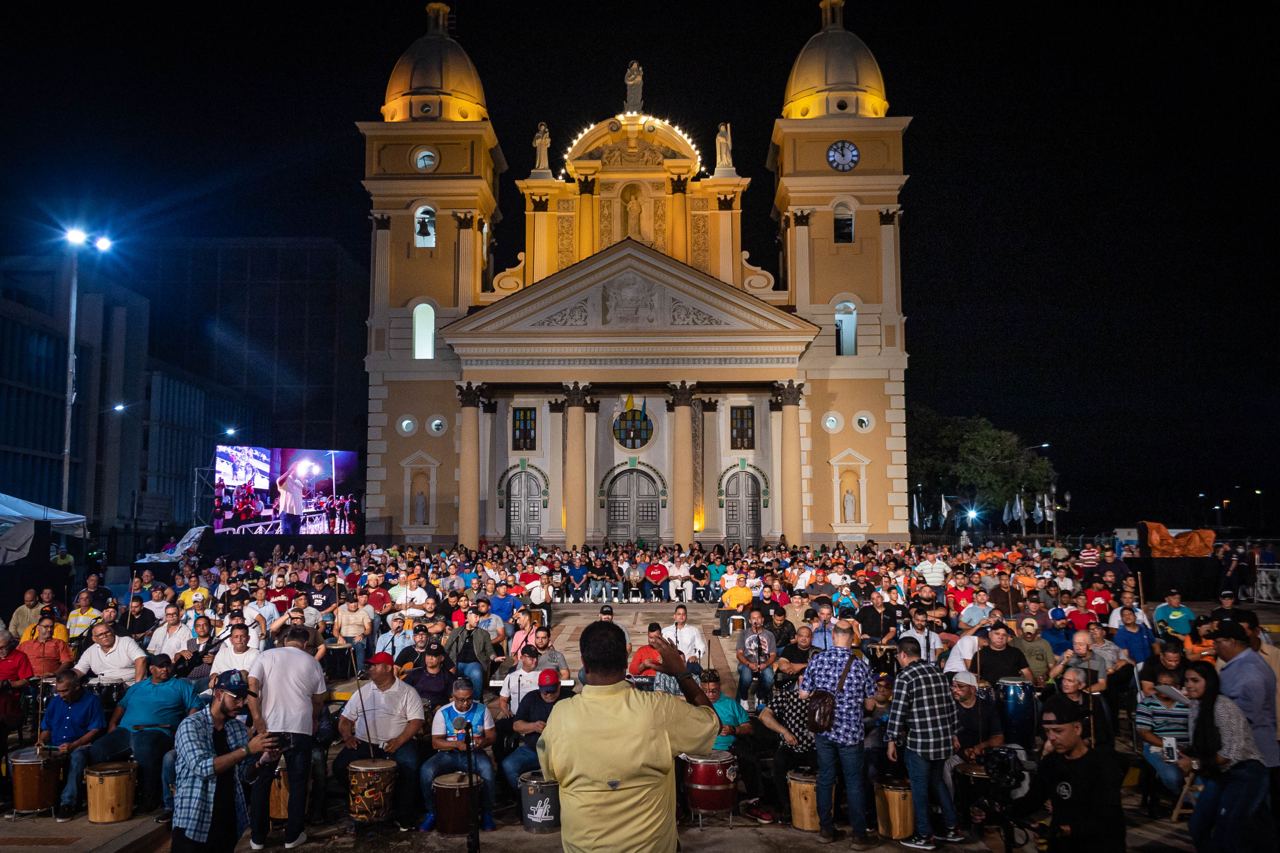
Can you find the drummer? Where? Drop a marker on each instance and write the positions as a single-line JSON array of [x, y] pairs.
[[999, 659], [787, 714], [46, 652], [531, 718], [382, 720], [451, 750], [72, 719], [112, 657], [143, 725], [978, 726], [15, 669]]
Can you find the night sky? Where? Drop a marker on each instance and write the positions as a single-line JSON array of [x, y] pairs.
[[1088, 225]]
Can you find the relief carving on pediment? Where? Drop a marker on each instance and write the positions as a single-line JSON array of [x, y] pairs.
[[630, 301]]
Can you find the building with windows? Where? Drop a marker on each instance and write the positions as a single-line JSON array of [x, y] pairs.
[[634, 376]]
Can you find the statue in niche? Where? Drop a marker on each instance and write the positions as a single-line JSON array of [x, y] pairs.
[[850, 507], [541, 142], [631, 212], [724, 148], [635, 83], [420, 509]]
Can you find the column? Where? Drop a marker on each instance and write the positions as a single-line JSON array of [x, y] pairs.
[[712, 527], [792, 495], [586, 217], [891, 310], [682, 464], [468, 273], [593, 425], [679, 219], [469, 466], [575, 465], [800, 291]]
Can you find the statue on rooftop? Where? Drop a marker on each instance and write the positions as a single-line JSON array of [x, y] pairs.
[[635, 83]]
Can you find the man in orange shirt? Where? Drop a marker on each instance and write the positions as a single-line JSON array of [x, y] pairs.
[[645, 660], [47, 653]]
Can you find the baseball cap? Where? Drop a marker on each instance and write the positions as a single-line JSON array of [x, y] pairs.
[[382, 657], [199, 596], [1057, 613], [606, 610], [966, 678], [1227, 593], [434, 649], [529, 651], [548, 680], [233, 682], [1229, 630], [1172, 592], [420, 628], [1030, 623]]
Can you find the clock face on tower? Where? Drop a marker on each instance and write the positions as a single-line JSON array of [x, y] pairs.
[[842, 155]]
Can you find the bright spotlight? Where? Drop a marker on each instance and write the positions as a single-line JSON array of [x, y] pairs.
[[973, 513], [231, 430], [119, 407], [102, 244], [76, 237]]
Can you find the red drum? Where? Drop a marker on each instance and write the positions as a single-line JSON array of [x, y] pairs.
[[710, 781]]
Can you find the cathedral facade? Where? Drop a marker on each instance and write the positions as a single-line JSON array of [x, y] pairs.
[[635, 377]]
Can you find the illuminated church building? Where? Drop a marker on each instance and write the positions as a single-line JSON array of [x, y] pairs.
[[635, 376]]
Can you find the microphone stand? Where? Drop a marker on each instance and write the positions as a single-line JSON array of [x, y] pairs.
[[473, 824]]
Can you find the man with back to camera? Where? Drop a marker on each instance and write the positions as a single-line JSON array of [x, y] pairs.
[[290, 485], [612, 799]]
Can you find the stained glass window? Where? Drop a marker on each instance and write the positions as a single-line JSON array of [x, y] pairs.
[[524, 429], [742, 427], [633, 429]]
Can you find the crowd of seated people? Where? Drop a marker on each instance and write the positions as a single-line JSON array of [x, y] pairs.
[[435, 631]]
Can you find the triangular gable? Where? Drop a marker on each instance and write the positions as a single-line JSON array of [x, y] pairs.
[[848, 457]]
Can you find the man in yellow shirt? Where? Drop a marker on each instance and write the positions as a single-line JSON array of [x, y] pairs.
[[613, 749], [193, 588]]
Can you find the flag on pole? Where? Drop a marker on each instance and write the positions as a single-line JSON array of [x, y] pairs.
[[915, 510], [630, 404], [946, 509], [1038, 513], [644, 408], [1008, 515], [1019, 512], [1049, 508]]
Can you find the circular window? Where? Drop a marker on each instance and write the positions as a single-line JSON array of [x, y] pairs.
[[425, 158], [833, 422], [633, 429], [437, 425], [842, 105], [406, 425], [864, 422]]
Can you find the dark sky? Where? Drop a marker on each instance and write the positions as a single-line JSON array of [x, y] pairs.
[[1088, 226]]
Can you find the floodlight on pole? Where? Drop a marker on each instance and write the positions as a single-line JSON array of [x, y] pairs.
[[76, 236], [119, 407], [231, 431], [102, 244]]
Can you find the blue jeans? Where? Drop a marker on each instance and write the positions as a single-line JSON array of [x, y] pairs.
[[1168, 774], [647, 588], [78, 761], [524, 759], [455, 761], [1231, 812], [168, 778], [926, 782], [848, 759], [473, 671], [297, 760], [148, 747], [596, 589], [744, 682]]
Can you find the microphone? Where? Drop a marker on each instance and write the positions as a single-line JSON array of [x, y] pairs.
[[461, 724]]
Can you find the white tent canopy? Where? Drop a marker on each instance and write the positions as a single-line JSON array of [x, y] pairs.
[[16, 510]]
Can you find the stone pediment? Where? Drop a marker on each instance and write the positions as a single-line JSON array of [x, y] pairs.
[[628, 302]]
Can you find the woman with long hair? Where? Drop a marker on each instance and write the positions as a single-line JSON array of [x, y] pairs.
[[1230, 813]]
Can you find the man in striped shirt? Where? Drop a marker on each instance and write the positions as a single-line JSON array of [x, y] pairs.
[[1157, 717]]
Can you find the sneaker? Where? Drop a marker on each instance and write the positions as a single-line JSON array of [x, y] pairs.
[[861, 841], [63, 814], [827, 836], [256, 845], [428, 823], [757, 814], [404, 825], [919, 842], [746, 706], [165, 816], [297, 842], [953, 835], [487, 824]]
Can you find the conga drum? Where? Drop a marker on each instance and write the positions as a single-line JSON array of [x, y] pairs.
[[452, 792], [278, 808], [802, 787], [893, 810], [539, 803], [971, 784], [883, 659], [109, 691], [1017, 703], [373, 781], [710, 781], [111, 788], [37, 776]]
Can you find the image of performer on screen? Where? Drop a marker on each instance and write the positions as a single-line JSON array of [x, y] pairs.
[[290, 484]]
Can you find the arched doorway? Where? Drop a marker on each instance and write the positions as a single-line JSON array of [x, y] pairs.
[[524, 509], [633, 508], [742, 509]]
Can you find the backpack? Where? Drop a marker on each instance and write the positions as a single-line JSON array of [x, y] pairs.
[[822, 703]]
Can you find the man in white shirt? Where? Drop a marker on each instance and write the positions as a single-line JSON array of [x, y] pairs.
[[688, 639], [1127, 600], [287, 692], [236, 652], [934, 569], [290, 485], [930, 643], [678, 574], [520, 681], [112, 657], [171, 636], [383, 720], [964, 651], [261, 609], [158, 603]]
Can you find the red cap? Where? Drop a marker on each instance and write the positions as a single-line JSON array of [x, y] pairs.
[[382, 657], [548, 678]]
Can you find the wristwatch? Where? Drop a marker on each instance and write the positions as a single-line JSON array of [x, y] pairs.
[[1195, 764]]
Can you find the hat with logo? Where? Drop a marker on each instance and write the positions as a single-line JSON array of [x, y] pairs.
[[606, 610], [434, 649], [1029, 623], [234, 683], [548, 680], [1057, 613]]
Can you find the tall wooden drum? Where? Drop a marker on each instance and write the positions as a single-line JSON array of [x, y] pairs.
[[452, 793], [37, 777], [373, 781], [278, 805], [111, 789], [893, 810], [802, 785]]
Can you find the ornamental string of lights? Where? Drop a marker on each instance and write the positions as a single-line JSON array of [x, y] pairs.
[[644, 121]]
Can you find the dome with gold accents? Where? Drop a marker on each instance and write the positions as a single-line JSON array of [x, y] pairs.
[[435, 80], [835, 74]]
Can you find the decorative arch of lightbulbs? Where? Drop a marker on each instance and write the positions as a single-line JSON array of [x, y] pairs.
[[645, 121]]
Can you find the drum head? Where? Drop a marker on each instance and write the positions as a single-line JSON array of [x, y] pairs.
[[454, 780], [1013, 680], [372, 765], [29, 755], [535, 777], [806, 776], [112, 768], [973, 769], [717, 756]]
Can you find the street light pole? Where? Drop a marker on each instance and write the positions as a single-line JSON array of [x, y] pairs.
[[71, 375], [1053, 503]]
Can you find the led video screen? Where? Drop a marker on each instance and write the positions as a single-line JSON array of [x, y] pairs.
[[286, 491]]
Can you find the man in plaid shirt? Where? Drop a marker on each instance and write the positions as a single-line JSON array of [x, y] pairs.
[[842, 745], [214, 755], [922, 719]]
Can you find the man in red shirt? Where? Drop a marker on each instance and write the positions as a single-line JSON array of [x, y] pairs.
[[46, 653], [655, 579], [1099, 599], [1080, 615], [645, 660], [15, 668]]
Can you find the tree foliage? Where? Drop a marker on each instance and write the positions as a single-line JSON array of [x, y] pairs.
[[970, 457]]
